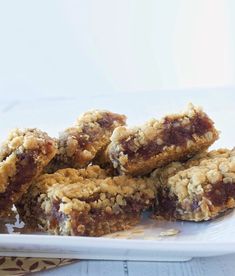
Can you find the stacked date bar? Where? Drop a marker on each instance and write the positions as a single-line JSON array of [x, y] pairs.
[[87, 139], [86, 202], [199, 189], [23, 156], [140, 150]]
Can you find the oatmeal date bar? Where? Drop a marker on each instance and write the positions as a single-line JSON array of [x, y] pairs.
[[87, 206], [80, 144], [139, 150], [22, 158], [199, 189]]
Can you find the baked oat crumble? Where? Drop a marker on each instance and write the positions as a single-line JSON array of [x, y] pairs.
[[139, 150], [199, 189], [23, 156], [87, 139]]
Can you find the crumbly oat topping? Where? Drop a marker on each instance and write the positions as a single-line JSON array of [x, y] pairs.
[[64, 176], [207, 172], [80, 144], [107, 191], [139, 150], [24, 139], [174, 167]]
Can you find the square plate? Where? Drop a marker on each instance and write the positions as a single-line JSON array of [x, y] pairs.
[[150, 240]]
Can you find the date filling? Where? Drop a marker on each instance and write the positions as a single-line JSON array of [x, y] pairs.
[[173, 133]]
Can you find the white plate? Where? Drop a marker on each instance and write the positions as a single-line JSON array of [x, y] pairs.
[[145, 242]]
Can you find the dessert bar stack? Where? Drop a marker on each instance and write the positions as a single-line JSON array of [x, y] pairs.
[[87, 201], [100, 175]]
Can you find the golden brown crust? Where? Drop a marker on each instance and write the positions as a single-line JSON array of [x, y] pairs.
[[87, 206], [22, 157], [139, 150], [80, 144], [198, 190]]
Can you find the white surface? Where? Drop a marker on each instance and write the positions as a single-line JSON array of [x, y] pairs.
[[45, 114]]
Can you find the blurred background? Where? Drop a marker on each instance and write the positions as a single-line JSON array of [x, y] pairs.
[[67, 48], [61, 58]]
